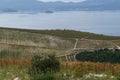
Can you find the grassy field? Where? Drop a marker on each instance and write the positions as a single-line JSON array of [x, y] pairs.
[[69, 71], [11, 73]]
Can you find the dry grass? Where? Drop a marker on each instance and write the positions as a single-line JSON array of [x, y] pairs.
[[116, 42], [91, 67]]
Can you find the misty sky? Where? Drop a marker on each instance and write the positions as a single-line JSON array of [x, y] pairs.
[[63, 0]]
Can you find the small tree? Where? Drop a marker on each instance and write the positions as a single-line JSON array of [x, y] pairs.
[[51, 64], [43, 66]]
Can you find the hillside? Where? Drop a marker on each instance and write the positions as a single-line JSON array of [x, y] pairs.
[[69, 34], [29, 42]]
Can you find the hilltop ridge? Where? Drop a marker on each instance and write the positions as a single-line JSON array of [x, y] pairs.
[[68, 34]]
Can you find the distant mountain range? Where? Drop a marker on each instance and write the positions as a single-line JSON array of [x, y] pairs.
[[39, 6]]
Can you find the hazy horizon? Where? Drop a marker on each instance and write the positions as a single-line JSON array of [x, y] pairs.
[[62, 0], [106, 23]]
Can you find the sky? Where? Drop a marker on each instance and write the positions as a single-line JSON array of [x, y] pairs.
[[62, 0]]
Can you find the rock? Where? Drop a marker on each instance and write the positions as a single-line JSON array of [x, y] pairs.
[[17, 78]]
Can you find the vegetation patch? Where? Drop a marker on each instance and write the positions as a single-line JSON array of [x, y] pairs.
[[102, 55], [44, 68], [68, 34]]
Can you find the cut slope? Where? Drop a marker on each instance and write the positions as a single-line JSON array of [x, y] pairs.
[[95, 44]]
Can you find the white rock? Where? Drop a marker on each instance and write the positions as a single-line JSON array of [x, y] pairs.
[[112, 77], [17, 78], [100, 75], [65, 74], [95, 75], [72, 76], [87, 76]]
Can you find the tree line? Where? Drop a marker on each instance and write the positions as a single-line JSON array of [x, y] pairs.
[[102, 55]]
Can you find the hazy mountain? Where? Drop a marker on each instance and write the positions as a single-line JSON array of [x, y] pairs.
[[101, 5], [36, 6]]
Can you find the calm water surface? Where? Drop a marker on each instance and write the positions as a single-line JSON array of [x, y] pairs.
[[97, 22]]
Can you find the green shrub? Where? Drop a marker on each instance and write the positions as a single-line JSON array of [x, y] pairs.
[[44, 68], [117, 74]]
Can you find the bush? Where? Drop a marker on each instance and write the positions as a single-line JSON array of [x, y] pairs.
[[117, 74], [44, 68]]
